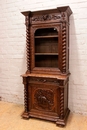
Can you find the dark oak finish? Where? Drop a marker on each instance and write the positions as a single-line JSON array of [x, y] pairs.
[[47, 76]]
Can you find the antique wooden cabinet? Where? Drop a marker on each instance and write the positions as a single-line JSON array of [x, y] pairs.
[[47, 76]]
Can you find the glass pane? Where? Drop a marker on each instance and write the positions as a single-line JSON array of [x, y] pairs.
[[46, 47]]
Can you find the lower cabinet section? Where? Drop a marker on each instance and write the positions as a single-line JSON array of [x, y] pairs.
[[46, 98]]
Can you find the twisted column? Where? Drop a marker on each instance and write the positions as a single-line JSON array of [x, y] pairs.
[[61, 103], [27, 43], [25, 98], [26, 106], [64, 48]]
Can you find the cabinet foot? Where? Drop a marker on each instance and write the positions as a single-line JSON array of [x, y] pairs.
[[25, 115]]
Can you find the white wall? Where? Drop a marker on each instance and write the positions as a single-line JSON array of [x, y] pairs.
[[13, 43]]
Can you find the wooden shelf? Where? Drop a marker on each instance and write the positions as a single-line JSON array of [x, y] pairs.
[[46, 53], [51, 36]]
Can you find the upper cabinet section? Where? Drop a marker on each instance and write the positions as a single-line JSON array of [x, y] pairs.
[[47, 40], [49, 16]]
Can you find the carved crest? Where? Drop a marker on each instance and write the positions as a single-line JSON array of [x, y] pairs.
[[46, 17]]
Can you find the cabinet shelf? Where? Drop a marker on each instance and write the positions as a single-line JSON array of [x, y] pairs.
[[46, 53], [50, 36]]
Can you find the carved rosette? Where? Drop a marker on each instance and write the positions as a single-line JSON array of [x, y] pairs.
[[27, 43], [64, 48], [61, 103]]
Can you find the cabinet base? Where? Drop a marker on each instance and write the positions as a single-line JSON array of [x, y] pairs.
[[62, 122], [59, 122]]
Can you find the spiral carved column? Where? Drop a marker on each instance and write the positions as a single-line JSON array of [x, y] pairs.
[[64, 48], [28, 44], [26, 110], [61, 103], [25, 98]]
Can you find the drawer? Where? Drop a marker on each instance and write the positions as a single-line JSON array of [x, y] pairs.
[[43, 80]]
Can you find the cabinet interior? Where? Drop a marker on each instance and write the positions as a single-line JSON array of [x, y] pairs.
[[46, 47]]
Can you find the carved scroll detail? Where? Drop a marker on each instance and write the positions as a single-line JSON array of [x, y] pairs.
[[44, 99], [28, 44], [61, 103], [64, 48]]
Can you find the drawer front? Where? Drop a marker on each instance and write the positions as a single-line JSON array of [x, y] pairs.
[[43, 80]]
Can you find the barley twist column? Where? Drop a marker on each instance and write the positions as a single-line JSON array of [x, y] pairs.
[[64, 48], [26, 110], [27, 43], [61, 103], [25, 98]]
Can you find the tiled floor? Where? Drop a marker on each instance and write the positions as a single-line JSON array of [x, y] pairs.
[[10, 119]]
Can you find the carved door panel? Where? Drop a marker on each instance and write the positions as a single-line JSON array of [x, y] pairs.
[[45, 99]]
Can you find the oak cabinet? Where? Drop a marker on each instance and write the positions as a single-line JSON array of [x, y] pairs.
[[47, 76]]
